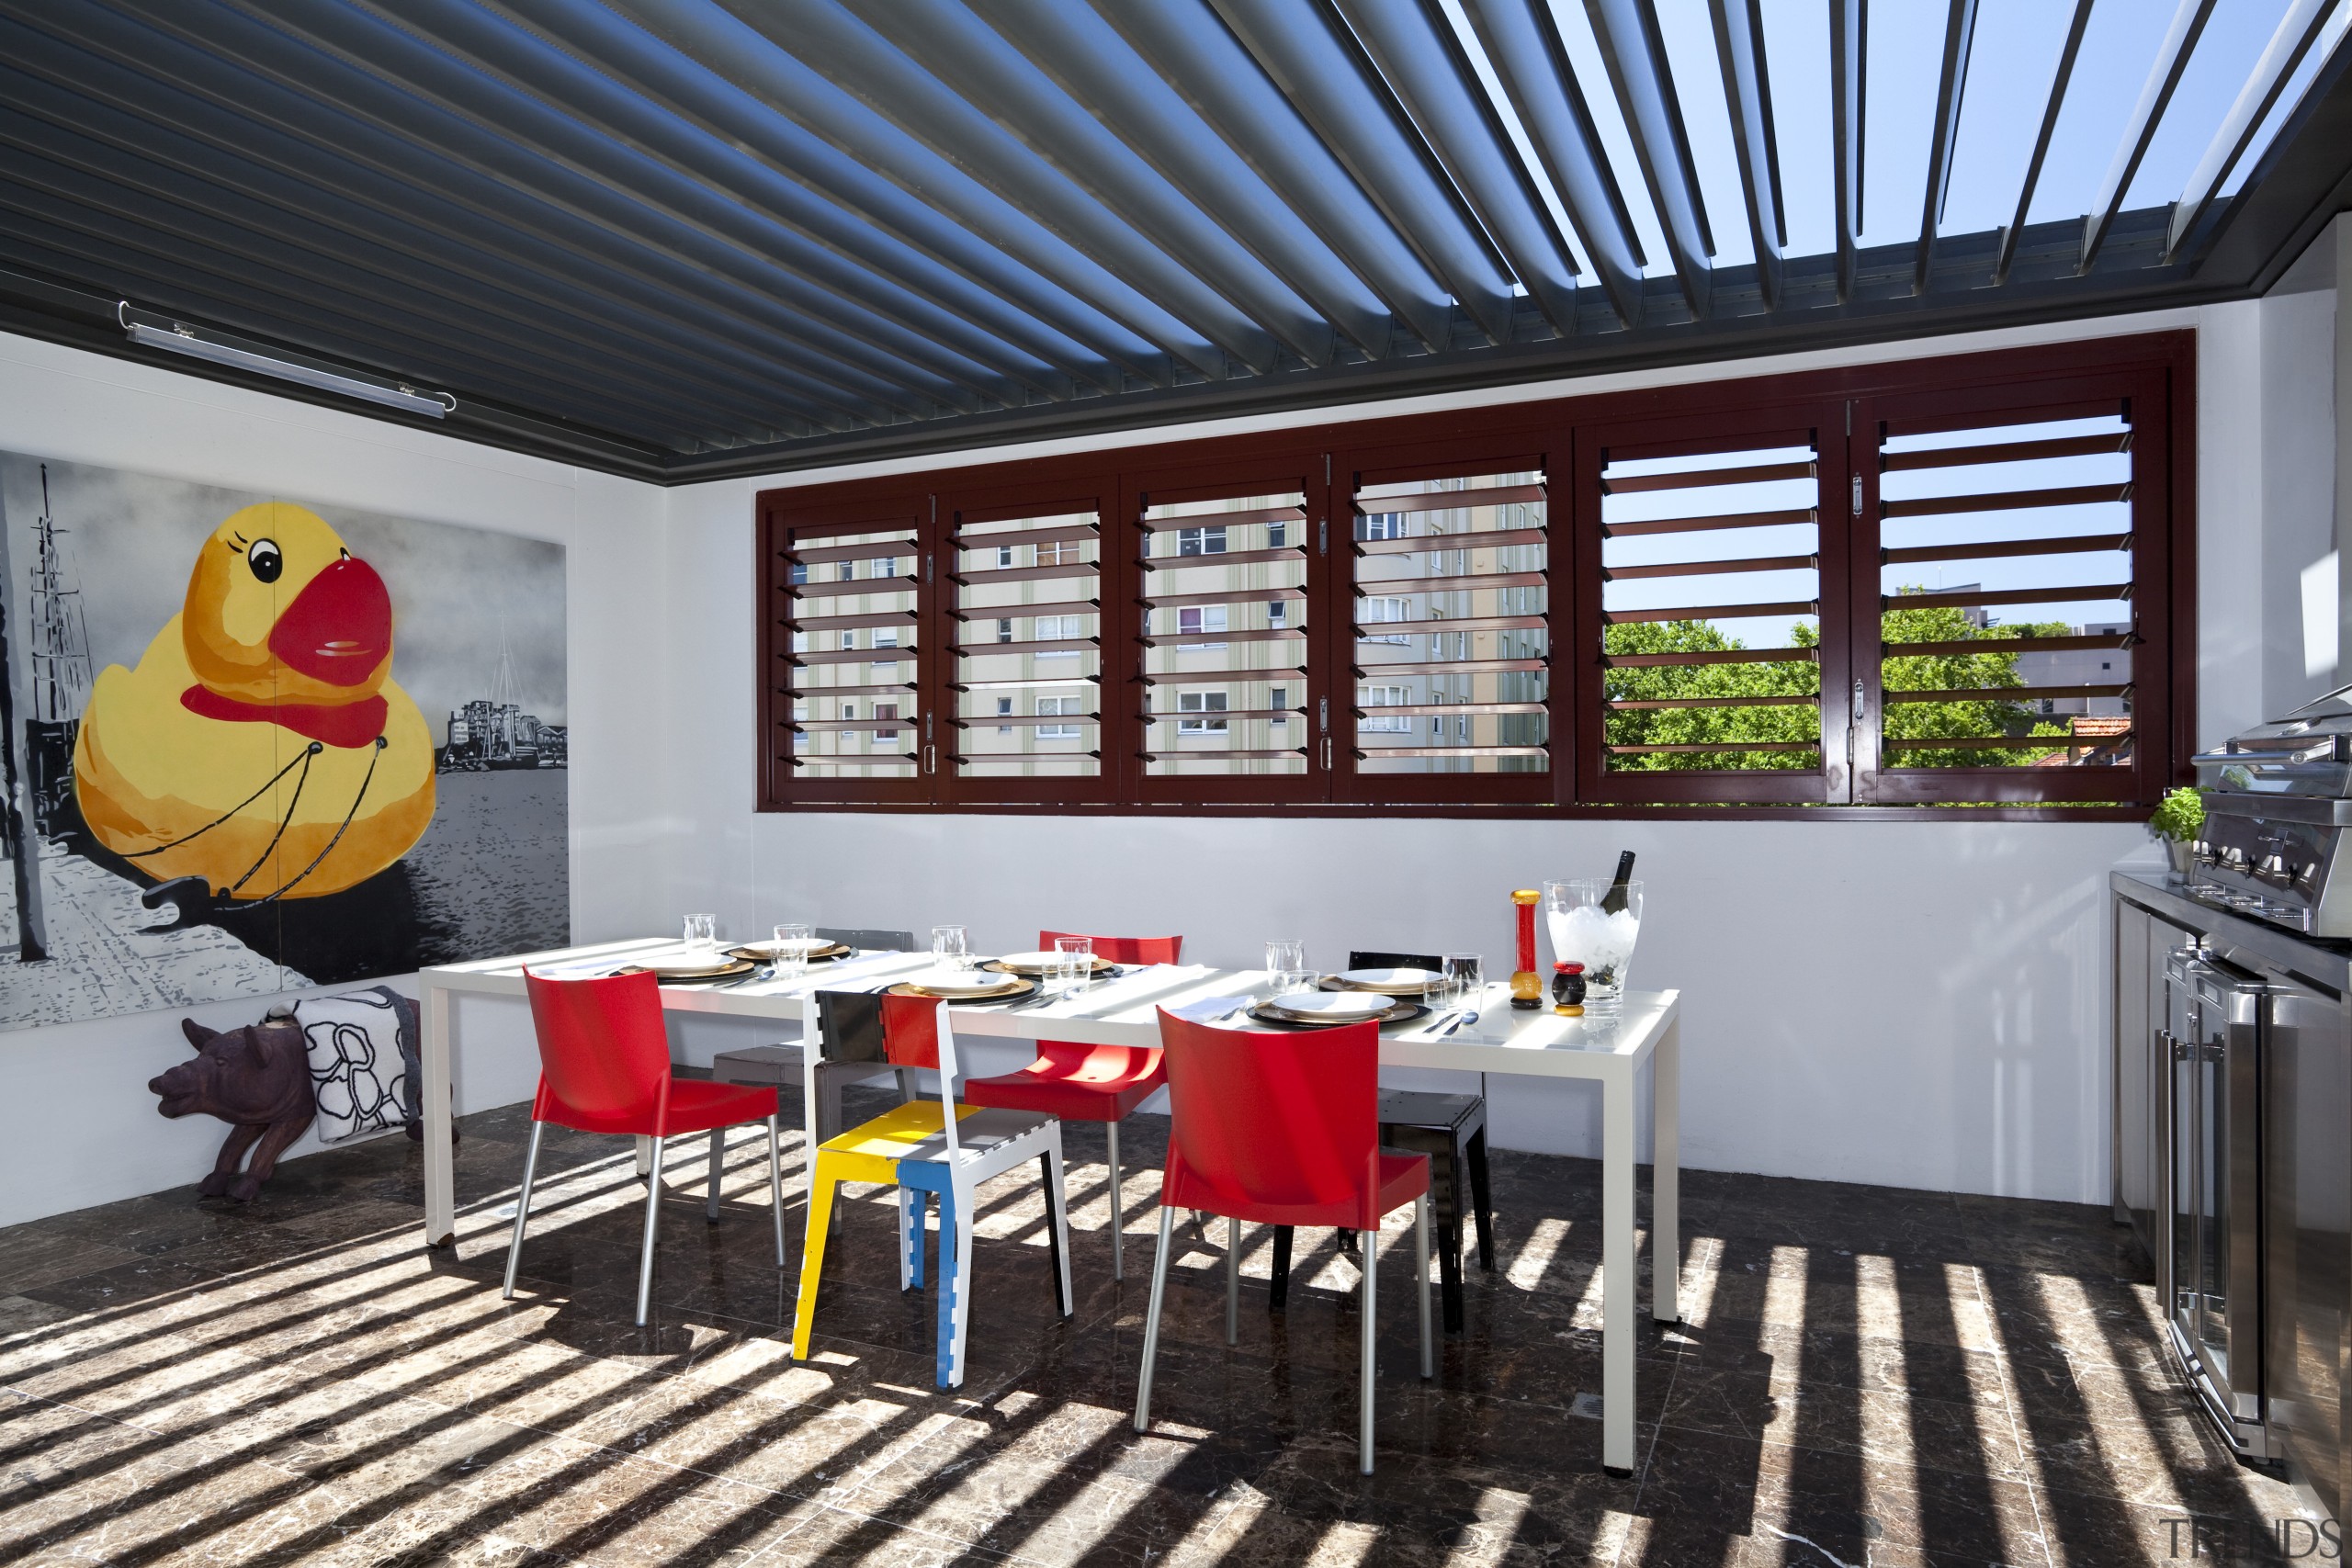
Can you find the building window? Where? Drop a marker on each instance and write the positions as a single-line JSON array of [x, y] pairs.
[[882, 711], [1200, 702], [1054, 706], [1383, 610], [1200, 541], [1060, 628], [1278, 698], [1003, 709], [1004, 631], [1383, 525], [1278, 535], [886, 636], [1194, 620], [1370, 697], [1278, 613], [1061, 552]]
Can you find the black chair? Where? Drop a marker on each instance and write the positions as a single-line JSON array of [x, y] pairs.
[[1449, 1128], [780, 1064]]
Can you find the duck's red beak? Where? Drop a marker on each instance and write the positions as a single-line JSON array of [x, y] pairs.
[[339, 627]]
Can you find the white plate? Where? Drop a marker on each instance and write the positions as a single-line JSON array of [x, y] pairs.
[[797, 944], [1038, 961], [1398, 982], [687, 968], [1333, 1004]]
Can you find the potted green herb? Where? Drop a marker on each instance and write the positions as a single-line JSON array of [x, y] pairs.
[[2179, 819]]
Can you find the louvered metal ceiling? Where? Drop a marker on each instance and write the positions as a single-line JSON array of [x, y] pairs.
[[681, 238]]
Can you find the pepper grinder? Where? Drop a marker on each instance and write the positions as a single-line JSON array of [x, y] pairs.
[[1567, 989], [1526, 986]]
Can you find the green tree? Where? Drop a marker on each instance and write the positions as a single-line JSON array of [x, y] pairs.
[[1995, 669], [1797, 722]]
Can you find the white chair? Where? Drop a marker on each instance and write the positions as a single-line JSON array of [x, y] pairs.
[[928, 1149]]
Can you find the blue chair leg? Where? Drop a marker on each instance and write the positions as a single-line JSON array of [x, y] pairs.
[[948, 1275], [923, 1182], [914, 1207]]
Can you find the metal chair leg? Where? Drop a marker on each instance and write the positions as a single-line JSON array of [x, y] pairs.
[[1151, 1316], [775, 1186], [1279, 1297], [1421, 1262], [717, 1164], [1482, 1206], [1232, 1279], [652, 1230], [523, 1206], [1118, 1206], [1371, 1277]]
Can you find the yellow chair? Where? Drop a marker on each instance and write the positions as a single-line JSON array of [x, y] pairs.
[[922, 1151]]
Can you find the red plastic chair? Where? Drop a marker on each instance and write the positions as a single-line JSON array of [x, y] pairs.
[[1281, 1130], [1089, 1083], [605, 1067]]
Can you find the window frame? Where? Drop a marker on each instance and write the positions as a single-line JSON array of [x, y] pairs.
[[1319, 462], [1396, 463], [2157, 666], [987, 497]]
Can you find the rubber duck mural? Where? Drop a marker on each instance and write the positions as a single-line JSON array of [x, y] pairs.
[[261, 745]]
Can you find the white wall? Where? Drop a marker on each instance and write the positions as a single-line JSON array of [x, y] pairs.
[[77, 1126], [1919, 1002]]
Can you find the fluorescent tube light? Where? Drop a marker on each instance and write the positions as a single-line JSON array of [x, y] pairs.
[[180, 338]]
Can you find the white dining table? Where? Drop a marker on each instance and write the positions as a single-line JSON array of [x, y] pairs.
[[1123, 1010]]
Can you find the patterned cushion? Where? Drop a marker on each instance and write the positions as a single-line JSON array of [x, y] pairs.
[[363, 1061]]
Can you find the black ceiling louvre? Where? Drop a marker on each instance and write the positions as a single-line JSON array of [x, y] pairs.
[[684, 239]]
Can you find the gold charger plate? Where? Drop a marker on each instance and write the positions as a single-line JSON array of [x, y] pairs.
[[1413, 989], [764, 952], [1264, 1013], [1013, 985], [683, 975]]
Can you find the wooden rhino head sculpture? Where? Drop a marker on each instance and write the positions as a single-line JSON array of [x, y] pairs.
[[258, 1079]]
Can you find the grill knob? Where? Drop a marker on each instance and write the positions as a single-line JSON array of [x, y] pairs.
[[2233, 857], [2273, 866], [2201, 852]]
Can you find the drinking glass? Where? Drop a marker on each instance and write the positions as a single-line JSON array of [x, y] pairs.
[[1467, 972], [1286, 968], [949, 947], [792, 940], [1601, 940], [1073, 964], [702, 932], [1441, 994]]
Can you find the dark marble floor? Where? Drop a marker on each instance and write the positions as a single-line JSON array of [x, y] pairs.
[[1864, 1376]]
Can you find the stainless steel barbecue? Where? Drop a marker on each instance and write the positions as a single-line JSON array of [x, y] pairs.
[[2278, 800]]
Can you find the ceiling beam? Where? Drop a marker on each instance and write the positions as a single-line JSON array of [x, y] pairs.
[[2297, 31], [1747, 96], [1531, 60], [2164, 75], [1849, 81], [1318, 63], [1634, 50], [1951, 85], [1416, 50], [2049, 107]]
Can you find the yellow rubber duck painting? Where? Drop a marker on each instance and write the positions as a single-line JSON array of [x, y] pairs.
[[261, 744]]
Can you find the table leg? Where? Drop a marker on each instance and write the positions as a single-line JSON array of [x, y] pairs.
[[1666, 1176], [1617, 1274], [440, 1170]]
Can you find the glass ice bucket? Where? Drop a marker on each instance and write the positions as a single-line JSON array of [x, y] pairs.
[[1585, 931]]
